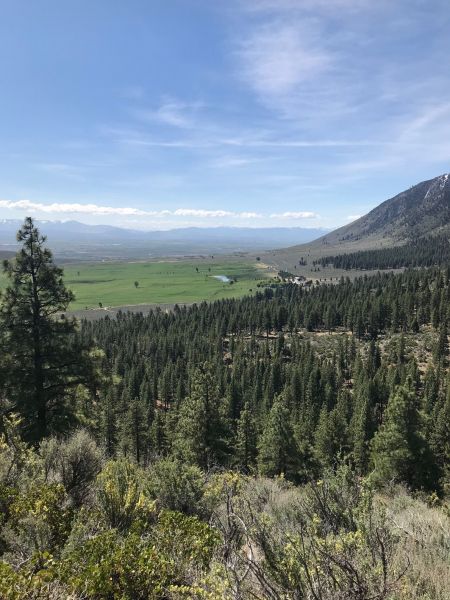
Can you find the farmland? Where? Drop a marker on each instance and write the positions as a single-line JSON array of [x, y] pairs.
[[182, 281]]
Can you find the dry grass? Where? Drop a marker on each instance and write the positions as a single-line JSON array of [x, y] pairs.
[[424, 545]]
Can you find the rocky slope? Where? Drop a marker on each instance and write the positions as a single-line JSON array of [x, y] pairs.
[[424, 209]]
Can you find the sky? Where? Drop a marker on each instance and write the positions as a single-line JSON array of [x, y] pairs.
[[254, 113]]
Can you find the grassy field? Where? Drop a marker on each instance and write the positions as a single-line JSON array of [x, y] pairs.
[[183, 281]]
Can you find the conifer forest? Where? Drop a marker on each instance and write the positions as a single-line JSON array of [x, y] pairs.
[[290, 445]]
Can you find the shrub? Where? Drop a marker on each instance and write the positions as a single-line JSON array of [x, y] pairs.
[[39, 521], [120, 497], [177, 486], [141, 567], [75, 462]]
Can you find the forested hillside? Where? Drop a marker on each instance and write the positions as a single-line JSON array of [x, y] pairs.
[[423, 252], [289, 445], [409, 230]]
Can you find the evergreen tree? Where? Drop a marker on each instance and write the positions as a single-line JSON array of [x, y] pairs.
[[134, 430], [441, 347], [331, 435], [245, 446], [43, 359], [440, 440], [398, 446], [277, 448], [108, 424], [201, 436], [360, 433]]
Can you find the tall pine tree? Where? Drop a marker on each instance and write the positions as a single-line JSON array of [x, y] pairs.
[[42, 358], [398, 448]]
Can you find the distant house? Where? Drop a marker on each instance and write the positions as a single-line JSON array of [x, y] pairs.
[[298, 280]]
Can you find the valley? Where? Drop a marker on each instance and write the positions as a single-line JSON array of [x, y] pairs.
[[309, 422], [159, 282], [225, 300]]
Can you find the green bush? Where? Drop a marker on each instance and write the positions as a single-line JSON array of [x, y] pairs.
[[177, 486], [39, 521], [120, 497], [137, 567]]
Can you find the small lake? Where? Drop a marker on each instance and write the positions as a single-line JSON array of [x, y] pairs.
[[222, 278]]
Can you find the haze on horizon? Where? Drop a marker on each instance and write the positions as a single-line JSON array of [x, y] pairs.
[[242, 113]]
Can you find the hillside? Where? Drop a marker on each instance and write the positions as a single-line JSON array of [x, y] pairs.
[[421, 211]]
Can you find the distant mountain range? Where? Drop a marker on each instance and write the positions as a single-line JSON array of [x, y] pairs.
[[77, 241], [423, 210]]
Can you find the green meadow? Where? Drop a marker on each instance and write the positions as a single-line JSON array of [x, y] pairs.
[[113, 284]]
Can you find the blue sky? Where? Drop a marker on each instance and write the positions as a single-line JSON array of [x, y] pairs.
[[159, 114]]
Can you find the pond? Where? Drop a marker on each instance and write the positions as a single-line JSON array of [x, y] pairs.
[[222, 278]]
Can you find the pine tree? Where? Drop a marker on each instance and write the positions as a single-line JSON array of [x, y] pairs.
[[201, 435], [441, 347], [439, 439], [398, 446], [245, 446], [108, 424], [134, 430], [331, 435], [360, 427], [42, 356], [277, 448]]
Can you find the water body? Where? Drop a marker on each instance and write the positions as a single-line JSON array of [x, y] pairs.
[[222, 278]]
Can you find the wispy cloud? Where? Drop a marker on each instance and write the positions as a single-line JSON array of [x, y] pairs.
[[231, 162], [253, 139], [277, 58], [175, 113], [63, 169], [305, 5]]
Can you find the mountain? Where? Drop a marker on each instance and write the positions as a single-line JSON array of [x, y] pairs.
[[419, 212], [422, 210], [77, 241]]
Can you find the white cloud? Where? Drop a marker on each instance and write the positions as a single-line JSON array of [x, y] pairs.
[[193, 212], [58, 208], [250, 215], [95, 209], [353, 217], [295, 215]]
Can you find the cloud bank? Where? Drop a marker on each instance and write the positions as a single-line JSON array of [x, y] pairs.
[[58, 208]]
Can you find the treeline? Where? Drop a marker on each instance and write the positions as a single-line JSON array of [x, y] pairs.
[[424, 252]]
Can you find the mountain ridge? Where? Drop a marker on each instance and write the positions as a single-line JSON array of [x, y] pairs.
[[72, 239], [420, 212], [423, 209]]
